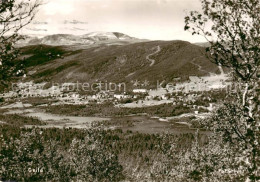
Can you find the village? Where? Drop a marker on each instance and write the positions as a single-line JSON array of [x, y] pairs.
[[188, 94]]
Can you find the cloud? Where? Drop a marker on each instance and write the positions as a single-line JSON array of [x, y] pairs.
[[37, 29], [39, 23], [74, 22], [149, 19], [76, 29]]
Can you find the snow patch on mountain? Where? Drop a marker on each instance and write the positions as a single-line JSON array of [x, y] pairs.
[[68, 39]]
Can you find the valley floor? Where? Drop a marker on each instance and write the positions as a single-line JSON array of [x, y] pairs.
[[142, 122]]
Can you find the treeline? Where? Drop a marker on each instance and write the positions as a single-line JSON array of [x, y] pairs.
[[18, 120], [87, 155], [108, 110]]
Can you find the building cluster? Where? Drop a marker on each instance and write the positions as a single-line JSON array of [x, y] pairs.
[[30, 89], [199, 84]]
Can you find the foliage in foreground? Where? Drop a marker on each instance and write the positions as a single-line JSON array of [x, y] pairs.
[[233, 32], [33, 157], [14, 15], [88, 155], [112, 155]]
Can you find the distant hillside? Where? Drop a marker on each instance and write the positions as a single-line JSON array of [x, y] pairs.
[[203, 44], [67, 39], [117, 63]]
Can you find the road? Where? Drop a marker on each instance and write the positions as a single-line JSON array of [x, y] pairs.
[[152, 60], [200, 67]]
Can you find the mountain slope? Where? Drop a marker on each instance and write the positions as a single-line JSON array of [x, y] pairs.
[[121, 63]]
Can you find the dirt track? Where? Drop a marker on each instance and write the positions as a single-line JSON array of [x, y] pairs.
[[152, 60]]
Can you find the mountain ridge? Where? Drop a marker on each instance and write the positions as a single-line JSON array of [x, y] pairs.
[[70, 39]]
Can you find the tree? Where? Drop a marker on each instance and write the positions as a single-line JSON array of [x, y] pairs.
[[37, 155], [232, 27], [33, 157], [14, 15], [92, 161]]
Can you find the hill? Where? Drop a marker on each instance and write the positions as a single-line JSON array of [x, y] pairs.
[[203, 44], [117, 63]]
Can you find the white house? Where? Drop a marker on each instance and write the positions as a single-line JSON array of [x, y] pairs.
[[118, 96], [164, 97], [140, 91]]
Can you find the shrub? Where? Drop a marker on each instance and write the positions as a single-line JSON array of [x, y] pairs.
[[37, 155], [31, 158]]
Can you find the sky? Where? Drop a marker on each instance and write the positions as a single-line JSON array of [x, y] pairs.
[[146, 19]]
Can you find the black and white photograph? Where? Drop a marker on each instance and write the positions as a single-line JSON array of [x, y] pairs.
[[129, 90]]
